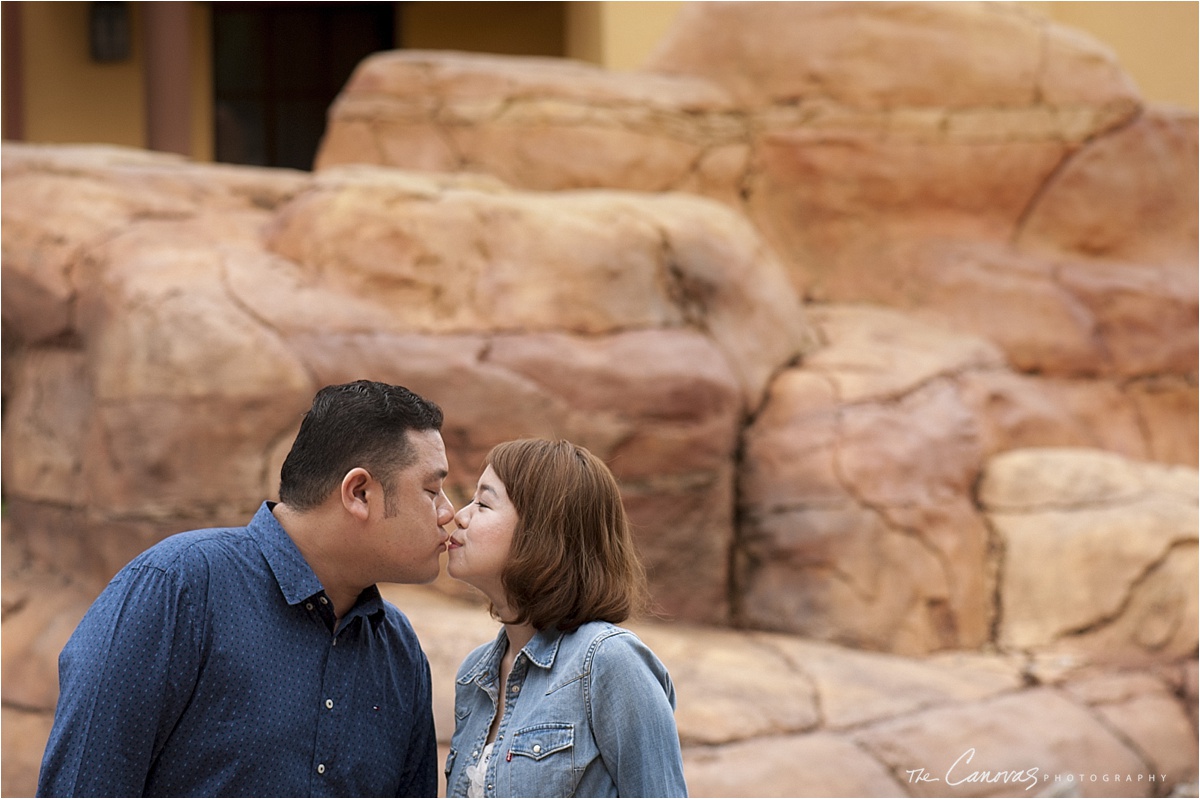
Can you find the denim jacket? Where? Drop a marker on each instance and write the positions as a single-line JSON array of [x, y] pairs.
[[587, 713]]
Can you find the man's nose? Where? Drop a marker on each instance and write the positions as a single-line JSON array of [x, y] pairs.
[[445, 511]]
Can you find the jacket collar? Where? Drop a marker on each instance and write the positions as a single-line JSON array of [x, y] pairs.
[[541, 651]]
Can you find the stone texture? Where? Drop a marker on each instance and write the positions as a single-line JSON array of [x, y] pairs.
[[1011, 745], [843, 49], [1126, 532], [837, 489], [23, 739], [509, 307], [973, 449], [528, 121], [1147, 713], [1148, 215], [816, 764], [961, 184]]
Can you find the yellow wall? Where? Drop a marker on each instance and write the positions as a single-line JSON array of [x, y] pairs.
[[528, 28], [202, 82], [617, 35], [70, 98], [1154, 41]]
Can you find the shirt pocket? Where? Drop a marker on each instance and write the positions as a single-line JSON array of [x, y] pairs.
[[541, 760]]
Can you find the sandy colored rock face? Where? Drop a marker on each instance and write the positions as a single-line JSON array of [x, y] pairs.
[[1125, 532], [641, 327], [883, 314], [954, 183]]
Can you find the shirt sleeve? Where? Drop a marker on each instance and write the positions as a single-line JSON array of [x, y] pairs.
[[421, 765], [125, 676], [631, 705]]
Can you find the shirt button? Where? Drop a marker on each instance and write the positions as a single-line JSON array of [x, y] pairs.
[[321, 768], [329, 704], [324, 601], [308, 605]]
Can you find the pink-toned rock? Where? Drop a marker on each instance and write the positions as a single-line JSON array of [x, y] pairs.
[[1019, 411], [888, 55], [856, 688], [34, 634], [1149, 715], [534, 122], [864, 346], [951, 184], [752, 690], [1169, 409], [1125, 532], [1014, 300], [816, 764], [837, 488], [24, 741], [1145, 315], [586, 262], [1146, 173], [508, 307], [844, 207], [1012, 745]]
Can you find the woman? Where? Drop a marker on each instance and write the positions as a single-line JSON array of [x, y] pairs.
[[563, 702]]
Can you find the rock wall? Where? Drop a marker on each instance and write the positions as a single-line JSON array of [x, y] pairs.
[[883, 314]]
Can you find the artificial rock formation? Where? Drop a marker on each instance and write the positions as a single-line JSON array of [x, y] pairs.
[[614, 320], [893, 357], [961, 184]]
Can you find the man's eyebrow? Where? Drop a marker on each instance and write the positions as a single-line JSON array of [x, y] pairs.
[[440, 474]]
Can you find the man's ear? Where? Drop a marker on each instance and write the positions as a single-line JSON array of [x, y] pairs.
[[357, 491]]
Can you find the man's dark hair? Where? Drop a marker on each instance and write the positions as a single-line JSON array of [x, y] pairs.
[[363, 423]]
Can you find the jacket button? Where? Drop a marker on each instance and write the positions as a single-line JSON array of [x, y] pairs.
[[536, 749]]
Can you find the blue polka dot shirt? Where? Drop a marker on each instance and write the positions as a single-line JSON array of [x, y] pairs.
[[209, 666]]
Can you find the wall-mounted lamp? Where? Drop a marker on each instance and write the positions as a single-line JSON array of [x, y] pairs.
[[108, 31]]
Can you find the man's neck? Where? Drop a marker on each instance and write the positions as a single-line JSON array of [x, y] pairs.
[[316, 533]]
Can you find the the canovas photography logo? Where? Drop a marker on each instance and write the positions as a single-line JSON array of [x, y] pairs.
[[962, 772]]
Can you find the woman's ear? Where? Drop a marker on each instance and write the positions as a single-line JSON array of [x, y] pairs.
[[357, 492]]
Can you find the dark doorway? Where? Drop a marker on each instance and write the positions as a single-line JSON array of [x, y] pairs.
[[277, 68]]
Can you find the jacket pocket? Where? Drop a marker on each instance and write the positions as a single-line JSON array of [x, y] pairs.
[[541, 761], [543, 740]]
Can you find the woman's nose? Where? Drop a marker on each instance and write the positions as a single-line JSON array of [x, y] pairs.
[[460, 518]]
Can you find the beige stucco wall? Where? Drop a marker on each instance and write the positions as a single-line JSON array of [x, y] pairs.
[[70, 98], [617, 35], [1156, 42]]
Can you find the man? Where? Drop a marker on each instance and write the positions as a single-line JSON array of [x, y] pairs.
[[262, 660]]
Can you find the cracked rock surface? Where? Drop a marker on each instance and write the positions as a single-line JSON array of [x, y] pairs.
[[894, 358]]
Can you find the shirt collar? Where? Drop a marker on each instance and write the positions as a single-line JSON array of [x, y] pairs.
[[296, 578], [541, 651]]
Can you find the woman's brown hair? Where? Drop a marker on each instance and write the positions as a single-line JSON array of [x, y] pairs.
[[572, 558]]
